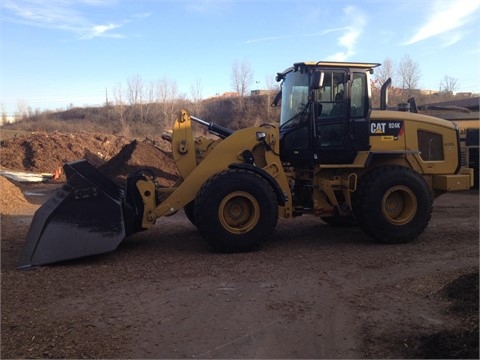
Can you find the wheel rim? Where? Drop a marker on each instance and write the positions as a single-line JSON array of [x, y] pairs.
[[239, 212], [399, 205]]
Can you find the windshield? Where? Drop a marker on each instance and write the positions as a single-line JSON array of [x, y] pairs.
[[294, 96]]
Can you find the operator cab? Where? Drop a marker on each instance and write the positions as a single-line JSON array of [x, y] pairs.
[[324, 112]]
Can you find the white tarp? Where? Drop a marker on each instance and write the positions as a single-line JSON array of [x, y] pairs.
[[22, 176]]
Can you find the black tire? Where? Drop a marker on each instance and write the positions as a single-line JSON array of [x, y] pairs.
[[189, 210], [393, 204], [236, 211]]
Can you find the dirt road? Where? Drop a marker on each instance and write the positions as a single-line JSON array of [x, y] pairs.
[[313, 291]]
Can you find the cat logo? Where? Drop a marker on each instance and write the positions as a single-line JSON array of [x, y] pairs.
[[389, 130], [377, 128]]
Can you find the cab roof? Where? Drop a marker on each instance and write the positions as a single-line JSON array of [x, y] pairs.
[[327, 64], [338, 64]]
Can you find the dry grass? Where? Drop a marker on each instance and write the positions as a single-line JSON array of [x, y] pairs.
[[10, 133]]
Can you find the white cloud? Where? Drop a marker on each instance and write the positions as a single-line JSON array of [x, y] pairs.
[[351, 34], [64, 15], [445, 17], [48, 14], [102, 31], [348, 39], [283, 37], [452, 38]]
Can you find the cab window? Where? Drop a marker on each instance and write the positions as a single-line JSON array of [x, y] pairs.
[[331, 95], [359, 96]]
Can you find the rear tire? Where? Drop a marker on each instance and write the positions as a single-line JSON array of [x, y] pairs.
[[393, 204], [236, 210]]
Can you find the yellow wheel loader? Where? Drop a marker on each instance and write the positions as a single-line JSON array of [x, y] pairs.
[[331, 155]]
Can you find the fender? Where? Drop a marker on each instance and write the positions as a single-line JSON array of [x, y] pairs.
[[269, 178]]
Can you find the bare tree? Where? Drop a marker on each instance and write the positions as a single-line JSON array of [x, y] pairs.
[[118, 94], [135, 97], [166, 94], [448, 84], [409, 73], [120, 108], [242, 77], [4, 119], [149, 103], [196, 92], [273, 88], [134, 90], [387, 70], [271, 84], [22, 110]]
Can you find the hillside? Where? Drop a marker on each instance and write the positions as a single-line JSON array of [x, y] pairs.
[[150, 119]]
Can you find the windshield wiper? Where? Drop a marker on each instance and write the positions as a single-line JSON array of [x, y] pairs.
[[302, 113]]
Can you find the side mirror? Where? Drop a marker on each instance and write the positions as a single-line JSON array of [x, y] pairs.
[[317, 80], [276, 99]]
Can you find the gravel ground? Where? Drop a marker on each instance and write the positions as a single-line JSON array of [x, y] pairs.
[[313, 291]]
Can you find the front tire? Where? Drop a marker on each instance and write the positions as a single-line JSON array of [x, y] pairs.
[[236, 211], [189, 210], [393, 204]]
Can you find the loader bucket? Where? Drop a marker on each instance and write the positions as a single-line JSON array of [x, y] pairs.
[[84, 217]]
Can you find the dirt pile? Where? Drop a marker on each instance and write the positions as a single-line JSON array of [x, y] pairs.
[[457, 343], [116, 157], [45, 152], [138, 156], [12, 197]]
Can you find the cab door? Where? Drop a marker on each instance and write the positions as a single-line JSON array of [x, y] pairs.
[[338, 131]]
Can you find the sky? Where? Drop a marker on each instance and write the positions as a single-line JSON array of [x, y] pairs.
[[60, 53]]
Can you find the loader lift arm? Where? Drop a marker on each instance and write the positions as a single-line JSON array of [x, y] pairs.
[[91, 215]]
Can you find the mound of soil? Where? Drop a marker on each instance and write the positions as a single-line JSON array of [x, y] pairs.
[[464, 293], [461, 342], [12, 197], [140, 156], [116, 157], [45, 152]]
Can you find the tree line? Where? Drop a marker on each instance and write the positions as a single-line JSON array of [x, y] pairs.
[[406, 75], [152, 119], [138, 107]]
